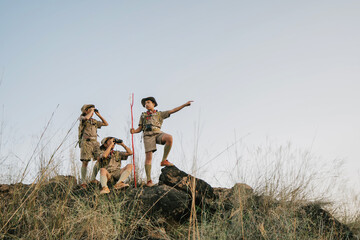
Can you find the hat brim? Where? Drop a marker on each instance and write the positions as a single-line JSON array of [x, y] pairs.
[[104, 141], [148, 98], [86, 107]]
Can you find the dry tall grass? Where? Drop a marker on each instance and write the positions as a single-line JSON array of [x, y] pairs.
[[53, 210]]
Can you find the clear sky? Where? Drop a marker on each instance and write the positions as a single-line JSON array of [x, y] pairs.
[[271, 71]]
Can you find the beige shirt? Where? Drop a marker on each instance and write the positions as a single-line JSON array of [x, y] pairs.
[[151, 122], [90, 127], [113, 160]]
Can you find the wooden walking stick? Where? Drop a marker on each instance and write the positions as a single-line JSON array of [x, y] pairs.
[[132, 135]]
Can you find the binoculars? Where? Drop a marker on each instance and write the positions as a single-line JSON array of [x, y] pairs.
[[148, 127], [95, 110], [117, 140]]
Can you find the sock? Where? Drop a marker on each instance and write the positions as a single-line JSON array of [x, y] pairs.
[[83, 174], [95, 171], [148, 171], [103, 180], [167, 149], [124, 175]]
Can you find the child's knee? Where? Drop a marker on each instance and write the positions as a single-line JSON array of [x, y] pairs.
[[169, 139], [103, 171], [148, 161], [129, 166]]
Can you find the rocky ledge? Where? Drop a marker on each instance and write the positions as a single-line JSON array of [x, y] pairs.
[[176, 194]]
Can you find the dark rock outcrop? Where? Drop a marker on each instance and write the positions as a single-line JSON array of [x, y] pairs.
[[163, 201], [182, 181], [171, 200], [238, 195], [321, 219]]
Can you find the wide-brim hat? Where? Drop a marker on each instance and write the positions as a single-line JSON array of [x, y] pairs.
[[148, 98], [86, 107], [104, 141]]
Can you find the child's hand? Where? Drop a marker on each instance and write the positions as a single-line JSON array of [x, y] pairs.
[[188, 103], [132, 130], [112, 143]]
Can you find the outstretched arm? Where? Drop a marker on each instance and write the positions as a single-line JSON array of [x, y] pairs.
[[180, 107]]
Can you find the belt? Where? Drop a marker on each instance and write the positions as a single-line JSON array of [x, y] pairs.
[[90, 139], [153, 129]]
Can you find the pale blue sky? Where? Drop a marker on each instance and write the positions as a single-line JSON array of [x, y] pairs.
[[283, 70]]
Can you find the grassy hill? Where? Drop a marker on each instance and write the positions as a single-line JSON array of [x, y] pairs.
[[180, 207]]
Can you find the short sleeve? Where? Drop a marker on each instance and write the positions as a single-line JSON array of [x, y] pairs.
[[140, 121], [122, 155], [99, 124], [165, 114], [82, 118]]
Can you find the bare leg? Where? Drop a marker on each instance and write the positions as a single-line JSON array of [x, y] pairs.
[[84, 171], [95, 171], [168, 140], [104, 177], [148, 159]]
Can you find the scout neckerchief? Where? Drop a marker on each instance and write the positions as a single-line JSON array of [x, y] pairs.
[[149, 114]]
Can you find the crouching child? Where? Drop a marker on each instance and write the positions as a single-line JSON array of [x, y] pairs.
[[110, 164]]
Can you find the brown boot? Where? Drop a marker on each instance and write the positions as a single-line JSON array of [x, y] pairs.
[[121, 185], [149, 183], [105, 190], [166, 163]]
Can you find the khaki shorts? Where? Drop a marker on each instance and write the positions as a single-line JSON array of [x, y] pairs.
[[115, 174], [89, 150], [150, 141]]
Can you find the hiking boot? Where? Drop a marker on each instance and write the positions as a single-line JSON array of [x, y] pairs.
[[84, 185], [95, 181], [121, 185], [149, 183], [166, 163], [105, 190]]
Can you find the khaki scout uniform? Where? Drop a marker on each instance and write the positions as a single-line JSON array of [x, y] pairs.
[[113, 163], [151, 125], [88, 142]]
